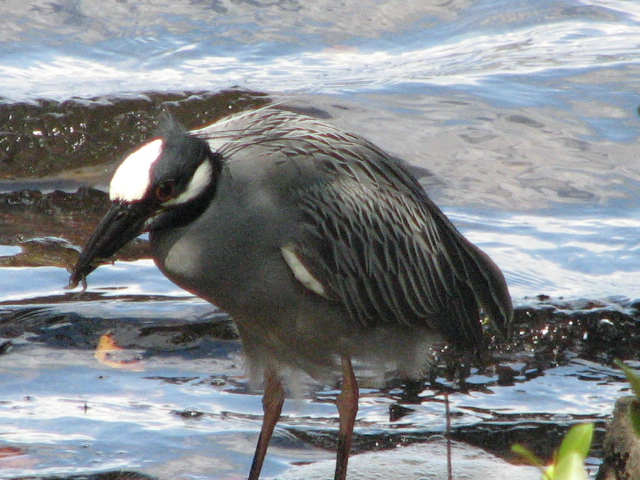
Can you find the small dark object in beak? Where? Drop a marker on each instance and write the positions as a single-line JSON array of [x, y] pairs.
[[122, 223]]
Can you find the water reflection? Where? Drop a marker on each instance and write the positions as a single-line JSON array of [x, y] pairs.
[[319, 51], [562, 254], [330, 70], [561, 390]]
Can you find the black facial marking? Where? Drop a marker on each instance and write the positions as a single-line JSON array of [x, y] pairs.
[[181, 156]]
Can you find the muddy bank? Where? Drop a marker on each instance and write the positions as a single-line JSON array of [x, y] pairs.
[[46, 137]]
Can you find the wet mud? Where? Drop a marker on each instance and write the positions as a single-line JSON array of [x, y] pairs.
[[46, 137]]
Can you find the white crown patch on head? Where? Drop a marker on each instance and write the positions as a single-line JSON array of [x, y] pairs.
[[132, 178]]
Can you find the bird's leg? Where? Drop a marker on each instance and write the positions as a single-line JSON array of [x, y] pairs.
[[448, 435], [272, 401], [347, 403]]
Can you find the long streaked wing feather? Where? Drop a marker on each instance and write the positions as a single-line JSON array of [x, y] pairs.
[[381, 246], [373, 255], [372, 237]]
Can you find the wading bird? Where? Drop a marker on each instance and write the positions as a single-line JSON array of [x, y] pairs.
[[322, 248]]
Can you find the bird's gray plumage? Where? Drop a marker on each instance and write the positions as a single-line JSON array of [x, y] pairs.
[[361, 224], [322, 247]]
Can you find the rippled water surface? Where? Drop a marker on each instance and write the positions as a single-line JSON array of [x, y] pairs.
[[521, 119]]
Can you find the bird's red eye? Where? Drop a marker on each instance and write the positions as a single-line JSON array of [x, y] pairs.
[[166, 191]]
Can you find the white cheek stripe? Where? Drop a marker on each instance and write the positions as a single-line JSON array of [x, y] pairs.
[[300, 270], [131, 180], [199, 183]]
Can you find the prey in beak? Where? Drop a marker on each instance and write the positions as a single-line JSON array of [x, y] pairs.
[[122, 223]]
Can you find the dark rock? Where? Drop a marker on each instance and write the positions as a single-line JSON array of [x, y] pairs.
[[621, 460]]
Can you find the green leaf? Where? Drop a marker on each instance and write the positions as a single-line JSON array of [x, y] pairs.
[[570, 467], [632, 377], [549, 472], [569, 459], [527, 455], [577, 440]]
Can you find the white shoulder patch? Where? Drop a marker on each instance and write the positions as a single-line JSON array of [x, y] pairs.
[[300, 270], [132, 178]]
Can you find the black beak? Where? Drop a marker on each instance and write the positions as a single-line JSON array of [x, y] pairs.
[[122, 223]]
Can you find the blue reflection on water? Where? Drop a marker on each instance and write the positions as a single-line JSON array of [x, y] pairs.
[[489, 40], [590, 253]]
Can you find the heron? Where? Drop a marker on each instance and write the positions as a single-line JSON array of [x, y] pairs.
[[324, 249]]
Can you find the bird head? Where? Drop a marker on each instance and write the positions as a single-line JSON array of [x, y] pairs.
[[162, 182]]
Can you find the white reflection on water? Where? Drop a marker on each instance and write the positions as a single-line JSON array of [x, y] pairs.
[[122, 278], [569, 255], [460, 61], [560, 390]]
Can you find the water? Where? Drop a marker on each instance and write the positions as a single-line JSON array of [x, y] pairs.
[[520, 117]]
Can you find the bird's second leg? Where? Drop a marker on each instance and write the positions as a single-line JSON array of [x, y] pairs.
[[272, 401], [347, 403]]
